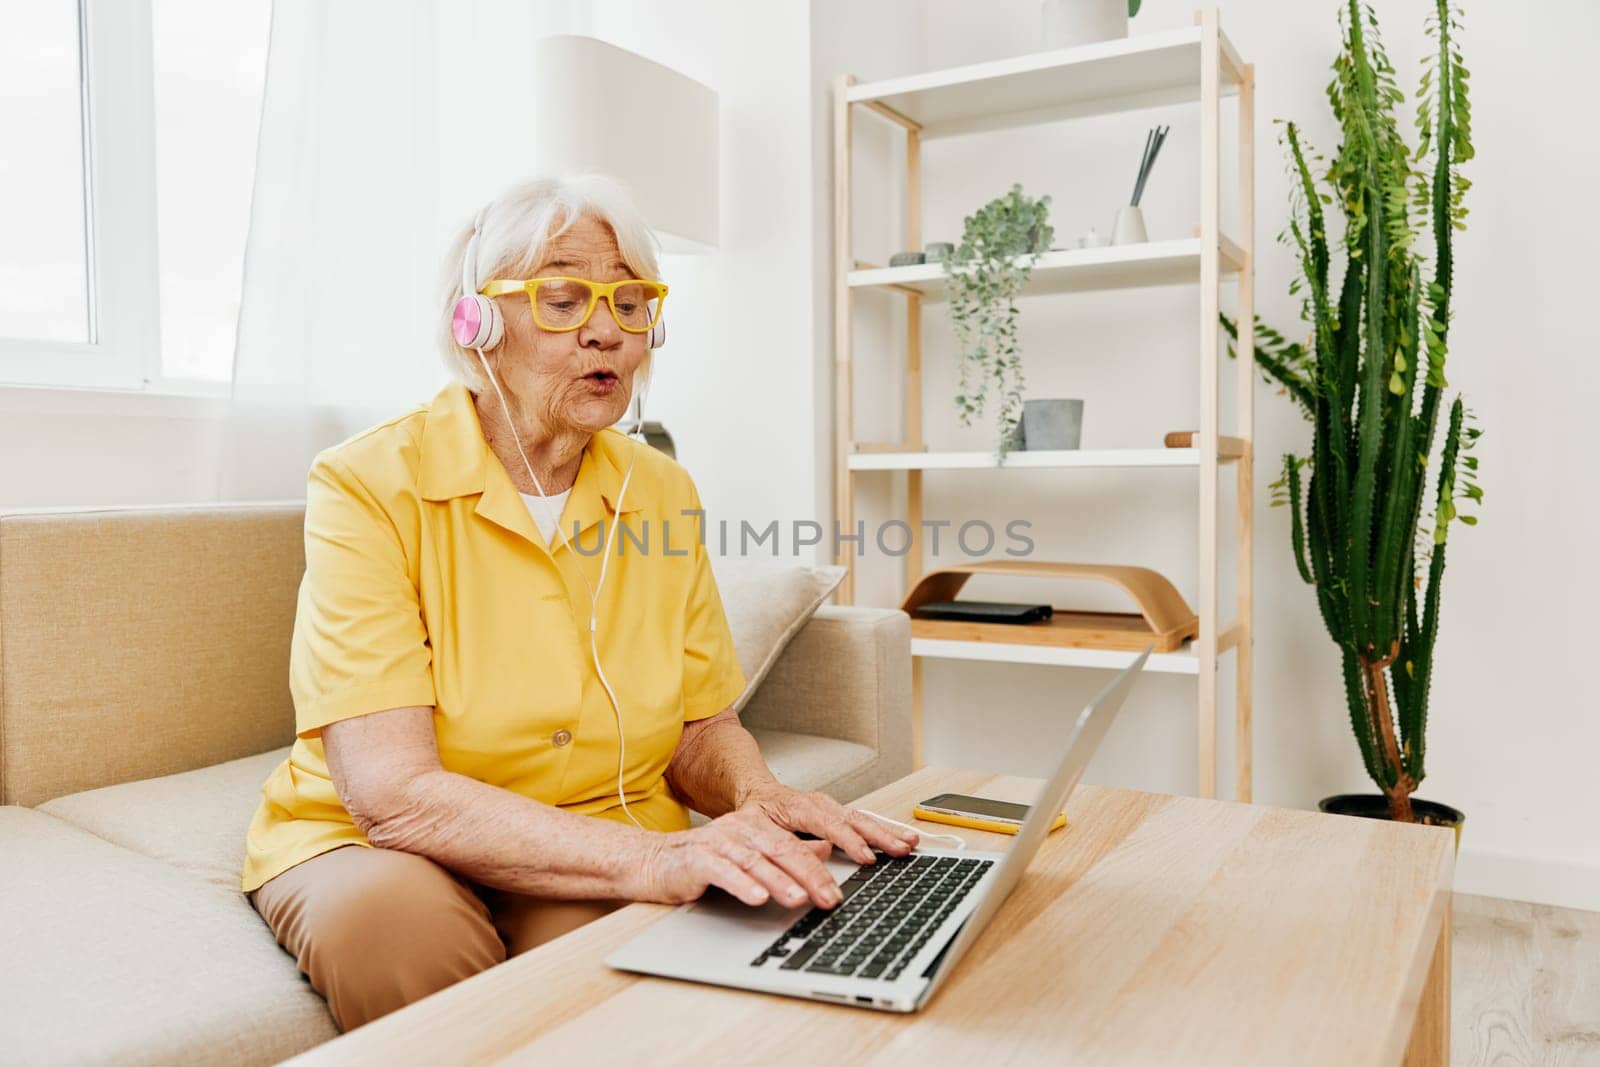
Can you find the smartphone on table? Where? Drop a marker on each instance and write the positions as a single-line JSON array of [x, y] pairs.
[[978, 813]]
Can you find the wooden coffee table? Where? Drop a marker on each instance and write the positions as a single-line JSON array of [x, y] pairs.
[[1152, 930]]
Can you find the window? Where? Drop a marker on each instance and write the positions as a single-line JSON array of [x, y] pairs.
[[127, 155], [44, 266]]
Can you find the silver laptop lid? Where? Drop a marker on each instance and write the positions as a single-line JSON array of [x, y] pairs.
[[1090, 727]]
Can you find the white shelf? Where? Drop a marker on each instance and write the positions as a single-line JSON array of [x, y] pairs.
[[951, 461], [1147, 70], [1071, 270], [1183, 661]]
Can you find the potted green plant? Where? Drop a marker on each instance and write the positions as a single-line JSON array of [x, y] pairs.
[[983, 278], [1370, 378]]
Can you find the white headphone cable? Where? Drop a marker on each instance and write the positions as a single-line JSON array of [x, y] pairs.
[[594, 651], [960, 842], [605, 559]]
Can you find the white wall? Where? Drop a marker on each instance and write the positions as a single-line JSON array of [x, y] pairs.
[[64, 448], [869, 41], [735, 384], [1514, 732], [745, 386]]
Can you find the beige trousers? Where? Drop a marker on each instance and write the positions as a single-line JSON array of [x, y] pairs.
[[374, 929]]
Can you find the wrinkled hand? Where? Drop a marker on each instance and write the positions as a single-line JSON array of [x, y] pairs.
[[856, 832], [754, 854], [743, 852]]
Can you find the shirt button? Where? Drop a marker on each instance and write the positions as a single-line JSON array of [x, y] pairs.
[[562, 738]]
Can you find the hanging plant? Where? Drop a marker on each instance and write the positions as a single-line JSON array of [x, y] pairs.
[[983, 278]]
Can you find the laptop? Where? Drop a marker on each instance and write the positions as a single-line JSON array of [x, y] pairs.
[[904, 923]]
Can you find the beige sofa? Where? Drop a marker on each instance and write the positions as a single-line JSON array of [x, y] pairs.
[[143, 700]]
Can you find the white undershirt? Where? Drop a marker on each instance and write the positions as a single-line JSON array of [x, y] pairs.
[[546, 512]]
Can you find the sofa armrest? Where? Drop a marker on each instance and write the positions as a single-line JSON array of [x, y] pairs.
[[846, 675]]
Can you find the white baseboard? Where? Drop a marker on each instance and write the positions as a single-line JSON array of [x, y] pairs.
[[1566, 883]]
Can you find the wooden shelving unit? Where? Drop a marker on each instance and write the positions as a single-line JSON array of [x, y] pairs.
[[1197, 65]]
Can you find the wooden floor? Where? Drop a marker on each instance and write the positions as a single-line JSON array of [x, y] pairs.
[[1526, 984]]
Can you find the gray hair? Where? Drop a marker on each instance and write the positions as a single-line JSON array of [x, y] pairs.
[[517, 225]]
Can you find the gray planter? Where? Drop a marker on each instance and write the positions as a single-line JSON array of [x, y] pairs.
[[1051, 424]]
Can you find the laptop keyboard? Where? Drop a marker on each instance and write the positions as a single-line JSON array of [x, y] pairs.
[[889, 911]]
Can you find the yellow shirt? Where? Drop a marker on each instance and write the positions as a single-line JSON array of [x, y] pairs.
[[427, 583]]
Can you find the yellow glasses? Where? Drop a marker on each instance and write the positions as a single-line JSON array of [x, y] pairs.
[[561, 304]]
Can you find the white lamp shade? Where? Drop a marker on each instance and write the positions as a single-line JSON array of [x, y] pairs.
[[602, 108]]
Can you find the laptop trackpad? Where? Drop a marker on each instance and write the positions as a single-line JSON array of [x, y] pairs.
[[716, 930], [721, 906], [718, 905]]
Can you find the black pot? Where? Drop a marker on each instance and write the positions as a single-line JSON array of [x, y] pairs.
[[1376, 806]]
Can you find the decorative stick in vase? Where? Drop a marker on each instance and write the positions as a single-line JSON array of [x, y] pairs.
[[1128, 227]]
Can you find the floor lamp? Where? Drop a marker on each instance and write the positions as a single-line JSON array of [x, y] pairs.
[[664, 151]]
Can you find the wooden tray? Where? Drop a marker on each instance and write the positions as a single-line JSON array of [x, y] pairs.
[[1163, 619]]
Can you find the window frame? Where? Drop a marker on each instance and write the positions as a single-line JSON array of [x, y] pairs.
[[116, 51]]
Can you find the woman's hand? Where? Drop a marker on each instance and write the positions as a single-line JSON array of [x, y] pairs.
[[856, 832], [747, 854]]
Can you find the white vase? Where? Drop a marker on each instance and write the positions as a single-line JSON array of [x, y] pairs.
[[1128, 226], [1073, 22]]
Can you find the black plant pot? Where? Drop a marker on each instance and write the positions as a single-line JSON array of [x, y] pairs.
[[1376, 806]]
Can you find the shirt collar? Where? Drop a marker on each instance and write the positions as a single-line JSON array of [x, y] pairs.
[[456, 461]]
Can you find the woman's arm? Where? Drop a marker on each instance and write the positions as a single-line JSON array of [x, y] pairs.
[[717, 765], [385, 767], [717, 768]]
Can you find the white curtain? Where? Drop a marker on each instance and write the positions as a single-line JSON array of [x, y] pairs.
[[384, 124]]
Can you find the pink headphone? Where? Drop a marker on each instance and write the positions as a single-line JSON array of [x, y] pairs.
[[477, 323]]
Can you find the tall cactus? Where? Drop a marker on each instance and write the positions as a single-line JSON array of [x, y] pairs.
[[1369, 378]]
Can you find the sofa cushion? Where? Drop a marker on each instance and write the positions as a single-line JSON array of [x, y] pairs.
[[767, 603], [195, 821], [805, 761], [113, 957]]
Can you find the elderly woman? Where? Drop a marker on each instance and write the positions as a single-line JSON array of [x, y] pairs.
[[466, 784]]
